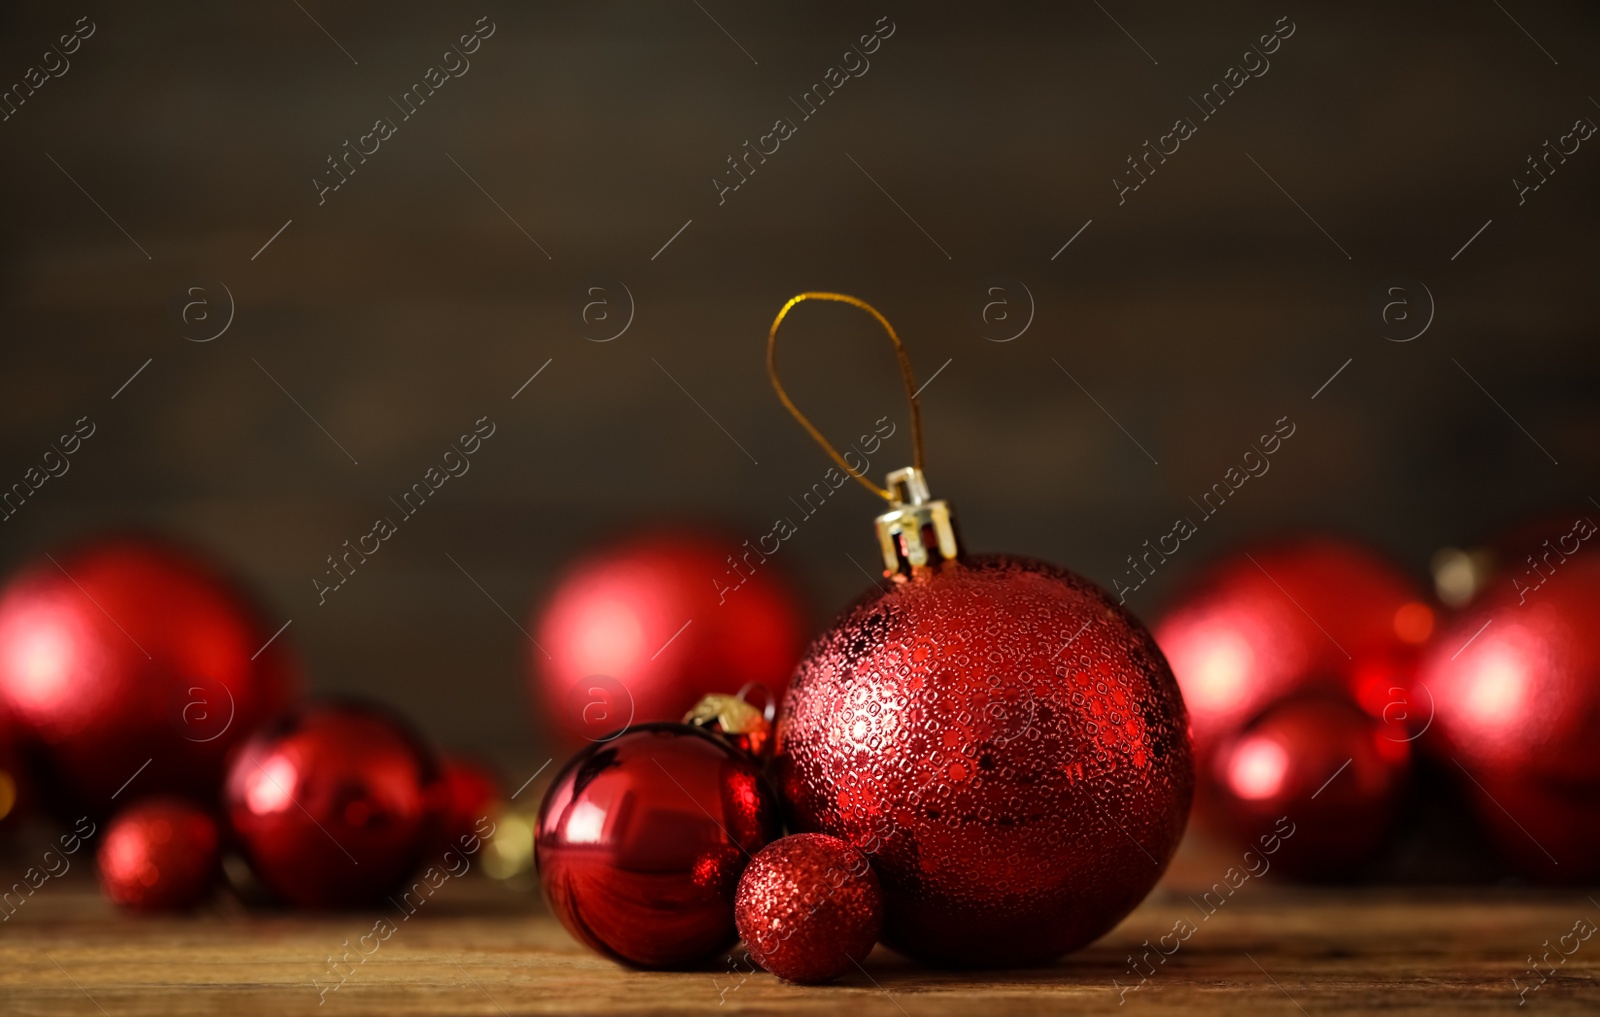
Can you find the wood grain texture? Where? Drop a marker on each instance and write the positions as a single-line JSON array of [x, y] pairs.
[[486, 950]]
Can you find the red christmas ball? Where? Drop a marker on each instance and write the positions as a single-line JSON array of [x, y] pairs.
[[129, 658], [641, 631], [1516, 680], [642, 838], [468, 792], [159, 855], [1330, 771], [334, 803], [1280, 620], [15, 794], [1004, 741], [809, 908], [1547, 829]]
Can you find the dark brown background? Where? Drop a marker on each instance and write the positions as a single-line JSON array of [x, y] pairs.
[[408, 305]]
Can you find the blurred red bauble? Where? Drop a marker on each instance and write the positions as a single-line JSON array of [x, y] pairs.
[[334, 803], [642, 838], [129, 652], [15, 794], [469, 792], [638, 632], [1516, 679], [1004, 742], [1280, 620], [1548, 829], [1332, 772], [159, 855], [809, 908]]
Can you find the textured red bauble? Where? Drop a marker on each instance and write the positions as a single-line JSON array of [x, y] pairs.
[[1008, 746], [1516, 679], [642, 838], [1282, 619], [128, 656], [333, 803], [809, 908], [1332, 772], [159, 855], [640, 631]]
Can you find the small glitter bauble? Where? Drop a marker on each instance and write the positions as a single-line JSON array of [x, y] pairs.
[[809, 908], [1325, 769], [642, 838], [333, 804], [1008, 746], [159, 855], [129, 656]]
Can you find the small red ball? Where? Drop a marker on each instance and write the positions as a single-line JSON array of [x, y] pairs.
[[642, 630], [332, 803], [809, 908], [468, 793], [1331, 772], [641, 841], [128, 656], [159, 855]]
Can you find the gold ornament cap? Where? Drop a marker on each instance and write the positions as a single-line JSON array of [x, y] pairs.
[[918, 531], [735, 720]]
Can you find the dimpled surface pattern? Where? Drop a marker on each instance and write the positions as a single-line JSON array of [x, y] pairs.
[[1006, 744]]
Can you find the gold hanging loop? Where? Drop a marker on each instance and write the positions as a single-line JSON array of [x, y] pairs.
[[905, 375]]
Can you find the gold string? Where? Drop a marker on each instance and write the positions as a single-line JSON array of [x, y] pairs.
[[905, 375]]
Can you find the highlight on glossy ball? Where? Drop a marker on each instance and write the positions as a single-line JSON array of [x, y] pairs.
[[334, 803], [159, 855], [641, 841], [809, 908]]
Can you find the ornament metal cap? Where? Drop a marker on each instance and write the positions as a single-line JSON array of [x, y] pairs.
[[918, 531], [736, 720]]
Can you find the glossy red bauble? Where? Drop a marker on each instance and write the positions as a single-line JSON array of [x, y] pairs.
[[641, 841], [1330, 771], [809, 908], [333, 804], [129, 657], [1005, 743], [1516, 680], [1283, 619], [159, 855], [640, 631]]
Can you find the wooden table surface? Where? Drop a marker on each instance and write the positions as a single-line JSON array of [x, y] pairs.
[[1271, 950]]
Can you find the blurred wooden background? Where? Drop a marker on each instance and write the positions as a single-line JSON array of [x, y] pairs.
[[456, 261]]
